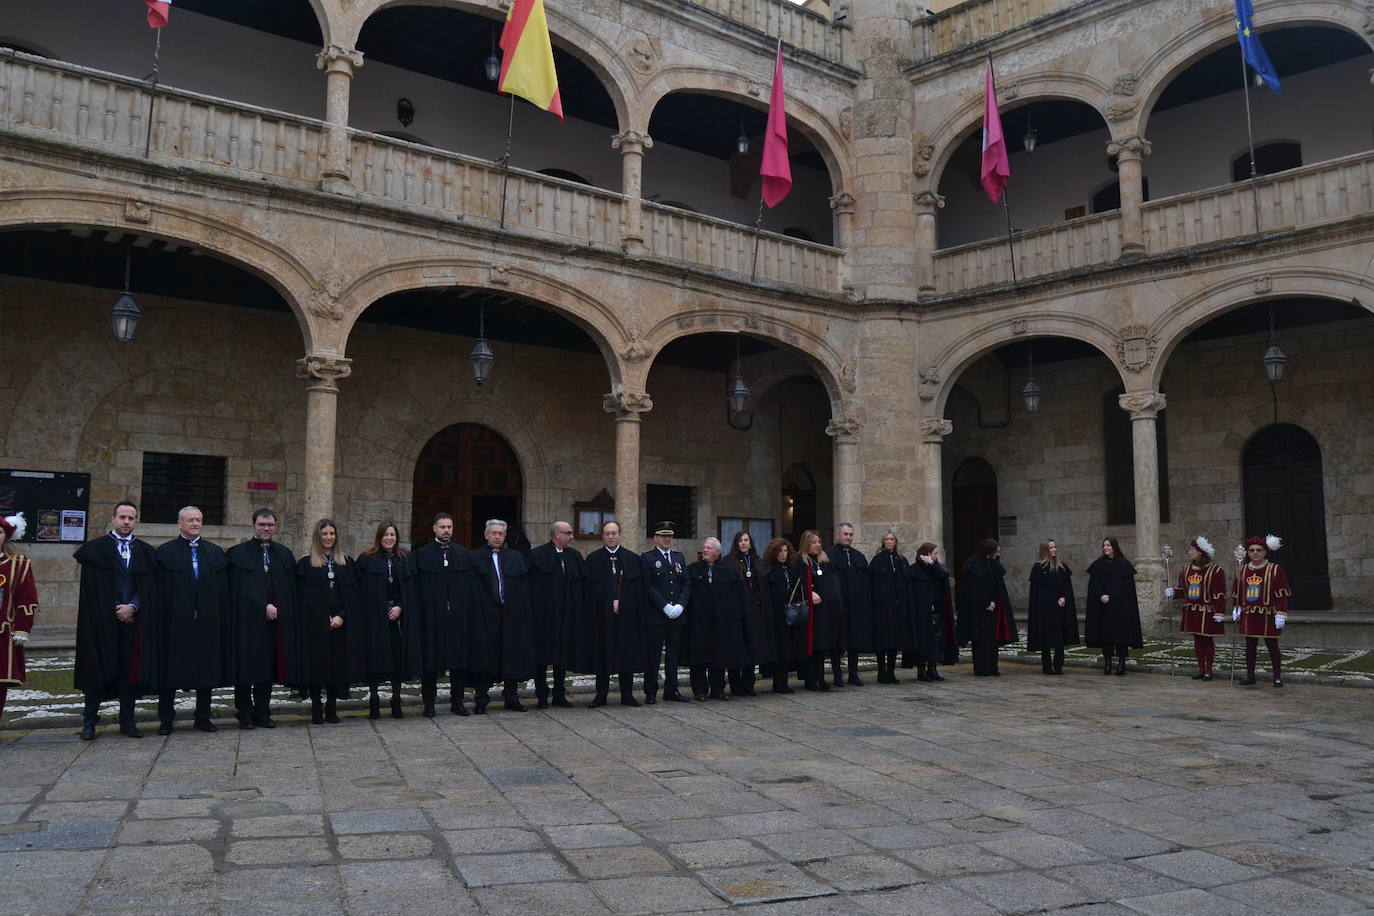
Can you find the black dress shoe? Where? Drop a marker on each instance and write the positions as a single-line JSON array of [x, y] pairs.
[[781, 688], [246, 723], [515, 706], [935, 676], [88, 733], [676, 698], [629, 701], [130, 730], [1206, 677], [838, 682], [749, 692], [459, 709], [562, 702], [1278, 682], [165, 728], [1199, 677], [205, 725], [855, 681], [542, 703], [430, 713], [264, 722], [823, 685], [597, 702], [479, 709], [921, 676], [718, 695], [699, 697], [1247, 682], [810, 685], [650, 701]]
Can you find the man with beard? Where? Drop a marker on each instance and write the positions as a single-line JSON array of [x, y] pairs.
[[262, 595], [556, 591], [443, 623], [503, 589], [617, 624], [985, 618]]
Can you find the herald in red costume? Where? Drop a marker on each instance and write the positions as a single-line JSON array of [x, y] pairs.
[[1202, 589], [18, 608], [1260, 595]]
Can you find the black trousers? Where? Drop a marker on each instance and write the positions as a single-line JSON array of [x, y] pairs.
[[128, 695], [560, 682], [741, 679], [707, 680], [253, 701], [510, 690], [1055, 663], [666, 642], [985, 656], [429, 688], [627, 684], [167, 709]]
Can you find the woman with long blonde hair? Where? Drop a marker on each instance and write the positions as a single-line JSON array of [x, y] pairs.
[[327, 592], [825, 622], [1052, 614]]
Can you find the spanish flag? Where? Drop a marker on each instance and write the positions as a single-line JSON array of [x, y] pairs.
[[527, 57]]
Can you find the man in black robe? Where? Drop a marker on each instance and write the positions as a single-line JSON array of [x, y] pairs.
[[715, 625], [669, 591], [851, 570], [556, 591], [443, 622], [116, 622], [193, 583], [262, 594], [985, 617], [503, 588], [617, 619]]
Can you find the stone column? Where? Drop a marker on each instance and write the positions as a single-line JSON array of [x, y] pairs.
[[848, 495], [632, 144], [626, 406], [321, 372], [338, 63], [1130, 153], [928, 203], [933, 433], [1144, 406], [843, 205]]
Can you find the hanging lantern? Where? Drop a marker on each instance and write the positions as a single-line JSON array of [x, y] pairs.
[[1031, 393], [481, 359], [737, 394], [125, 315]]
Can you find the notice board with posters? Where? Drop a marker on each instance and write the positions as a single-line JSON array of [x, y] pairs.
[[56, 504]]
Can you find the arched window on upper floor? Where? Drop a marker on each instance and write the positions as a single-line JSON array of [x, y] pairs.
[[565, 175], [1275, 156]]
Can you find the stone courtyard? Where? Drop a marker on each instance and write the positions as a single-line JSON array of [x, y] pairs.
[[1145, 794]]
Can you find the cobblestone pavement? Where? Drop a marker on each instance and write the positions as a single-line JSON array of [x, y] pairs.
[[1017, 794]]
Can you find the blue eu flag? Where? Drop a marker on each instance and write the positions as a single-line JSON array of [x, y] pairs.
[[1250, 44]]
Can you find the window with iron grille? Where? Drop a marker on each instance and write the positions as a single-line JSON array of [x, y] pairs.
[[171, 481], [667, 503]]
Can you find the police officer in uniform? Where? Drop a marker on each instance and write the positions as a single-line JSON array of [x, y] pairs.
[[669, 590]]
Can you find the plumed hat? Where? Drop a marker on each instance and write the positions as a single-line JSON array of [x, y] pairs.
[[14, 526]]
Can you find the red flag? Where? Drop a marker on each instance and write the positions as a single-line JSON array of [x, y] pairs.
[[996, 169], [776, 170], [157, 12]]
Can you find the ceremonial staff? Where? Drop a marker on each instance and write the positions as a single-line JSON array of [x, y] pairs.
[[1166, 553]]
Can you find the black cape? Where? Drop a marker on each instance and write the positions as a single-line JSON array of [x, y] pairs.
[[789, 643], [328, 657], [1116, 623], [259, 647], [1049, 626], [851, 569], [194, 616], [556, 599], [106, 649], [715, 618], [758, 626], [825, 628], [381, 636], [507, 626], [890, 587], [616, 643], [445, 622], [932, 617], [983, 582]]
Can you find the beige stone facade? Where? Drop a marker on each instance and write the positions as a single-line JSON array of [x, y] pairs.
[[898, 334]]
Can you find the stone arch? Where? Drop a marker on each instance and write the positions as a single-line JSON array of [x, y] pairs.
[[1256, 285], [812, 121], [961, 353], [228, 241], [1037, 87], [1186, 47], [566, 32], [599, 320]]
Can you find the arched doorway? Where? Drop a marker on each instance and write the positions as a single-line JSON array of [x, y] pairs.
[[975, 508], [1281, 476], [798, 502], [470, 472]]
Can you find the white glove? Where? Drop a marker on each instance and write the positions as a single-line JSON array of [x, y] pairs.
[[1219, 618], [1235, 614], [673, 611], [20, 639], [1168, 593], [1279, 621]]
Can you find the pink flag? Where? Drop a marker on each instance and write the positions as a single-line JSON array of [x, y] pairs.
[[776, 170], [996, 169], [157, 12]]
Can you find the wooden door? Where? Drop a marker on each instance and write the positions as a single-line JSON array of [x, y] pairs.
[[975, 510], [1281, 472], [470, 472]]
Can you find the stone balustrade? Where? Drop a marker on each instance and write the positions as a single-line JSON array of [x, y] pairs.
[[970, 23], [800, 28], [1309, 196], [68, 104]]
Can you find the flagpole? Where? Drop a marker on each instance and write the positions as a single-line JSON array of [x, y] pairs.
[[152, 96], [1011, 247], [1250, 136], [505, 160]]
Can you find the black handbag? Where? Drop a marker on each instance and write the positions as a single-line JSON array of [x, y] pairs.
[[797, 612]]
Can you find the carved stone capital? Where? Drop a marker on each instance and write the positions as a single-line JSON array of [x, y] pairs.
[[1143, 405], [843, 429], [935, 429], [623, 402], [842, 202], [929, 200], [1128, 148], [632, 141], [324, 371], [338, 59]]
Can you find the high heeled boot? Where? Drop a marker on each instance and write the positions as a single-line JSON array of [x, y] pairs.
[[316, 707]]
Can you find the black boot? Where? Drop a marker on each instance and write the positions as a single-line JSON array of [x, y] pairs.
[[780, 682], [316, 707], [331, 707], [854, 679], [932, 673], [1106, 664], [396, 711], [1046, 666], [374, 703], [1121, 664]]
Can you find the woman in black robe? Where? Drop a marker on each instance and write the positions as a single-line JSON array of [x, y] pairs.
[[388, 589], [891, 590], [329, 600], [1111, 621], [758, 631], [985, 618], [780, 575], [825, 624], [1052, 613], [932, 616]]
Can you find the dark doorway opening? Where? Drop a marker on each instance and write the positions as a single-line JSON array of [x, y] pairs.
[[975, 509], [471, 473], [1281, 476], [798, 502]]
